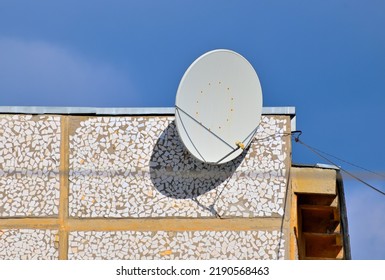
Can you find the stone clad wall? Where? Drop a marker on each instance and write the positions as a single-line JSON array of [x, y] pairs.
[[141, 166], [29, 165], [28, 244], [192, 245], [61, 175]]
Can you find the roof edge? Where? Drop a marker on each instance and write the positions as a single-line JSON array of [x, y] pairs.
[[118, 110], [317, 165]]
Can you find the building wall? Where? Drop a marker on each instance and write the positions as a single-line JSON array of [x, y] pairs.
[[29, 165], [78, 174]]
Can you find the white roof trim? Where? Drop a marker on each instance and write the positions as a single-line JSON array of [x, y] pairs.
[[118, 111]]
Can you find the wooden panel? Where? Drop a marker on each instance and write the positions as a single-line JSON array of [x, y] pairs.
[[314, 180], [319, 219], [322, 245], [318, 199]]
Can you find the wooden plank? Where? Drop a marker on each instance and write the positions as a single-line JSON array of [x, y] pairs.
[[322, 245], [329, 259], [322, 235], [293, 253], [314, 180], [64, 170], [318, 199], [240, 224], [33, 223], [330, 209], [64, 188], [63, 245]]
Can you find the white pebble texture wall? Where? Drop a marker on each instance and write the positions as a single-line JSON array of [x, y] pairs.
[[29, 165], [28, 244], [191, 245], [138, 167]]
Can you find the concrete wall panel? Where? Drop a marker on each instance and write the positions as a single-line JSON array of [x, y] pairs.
[[27, 244], [192, 245], [29, 165], [138, 167]]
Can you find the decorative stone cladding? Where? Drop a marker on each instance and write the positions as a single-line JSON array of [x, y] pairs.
[[192, 245], [61, 174], [28, 244], [138, 167], [29, 165]]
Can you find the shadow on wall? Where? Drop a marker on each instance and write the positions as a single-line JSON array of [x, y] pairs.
[[177, 174]]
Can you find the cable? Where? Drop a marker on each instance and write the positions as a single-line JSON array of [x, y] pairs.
[[345, 161], [207, 129], [299, 132], [342, 169]]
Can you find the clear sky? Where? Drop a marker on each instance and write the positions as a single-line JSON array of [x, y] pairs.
[[325, 57]]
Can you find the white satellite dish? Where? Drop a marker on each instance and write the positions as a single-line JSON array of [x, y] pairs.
[[218, 106]]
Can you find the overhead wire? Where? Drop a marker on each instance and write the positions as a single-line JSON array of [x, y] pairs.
[[350, 163], [319, 153]]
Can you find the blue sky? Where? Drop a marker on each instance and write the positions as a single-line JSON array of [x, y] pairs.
[[326, 58]]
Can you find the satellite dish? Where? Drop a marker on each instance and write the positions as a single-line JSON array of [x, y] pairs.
[[218, 106]]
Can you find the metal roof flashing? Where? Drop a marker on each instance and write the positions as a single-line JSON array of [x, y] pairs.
[[121, 111], [317, 165], [118, 110]]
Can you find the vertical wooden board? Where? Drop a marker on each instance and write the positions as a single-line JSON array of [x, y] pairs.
[[63, 244], [293, 253], [64, 189]]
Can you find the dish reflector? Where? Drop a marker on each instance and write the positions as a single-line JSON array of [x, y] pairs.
[[218, 106]]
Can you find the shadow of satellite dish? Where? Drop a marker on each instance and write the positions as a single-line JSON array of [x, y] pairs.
[[176, 173]]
